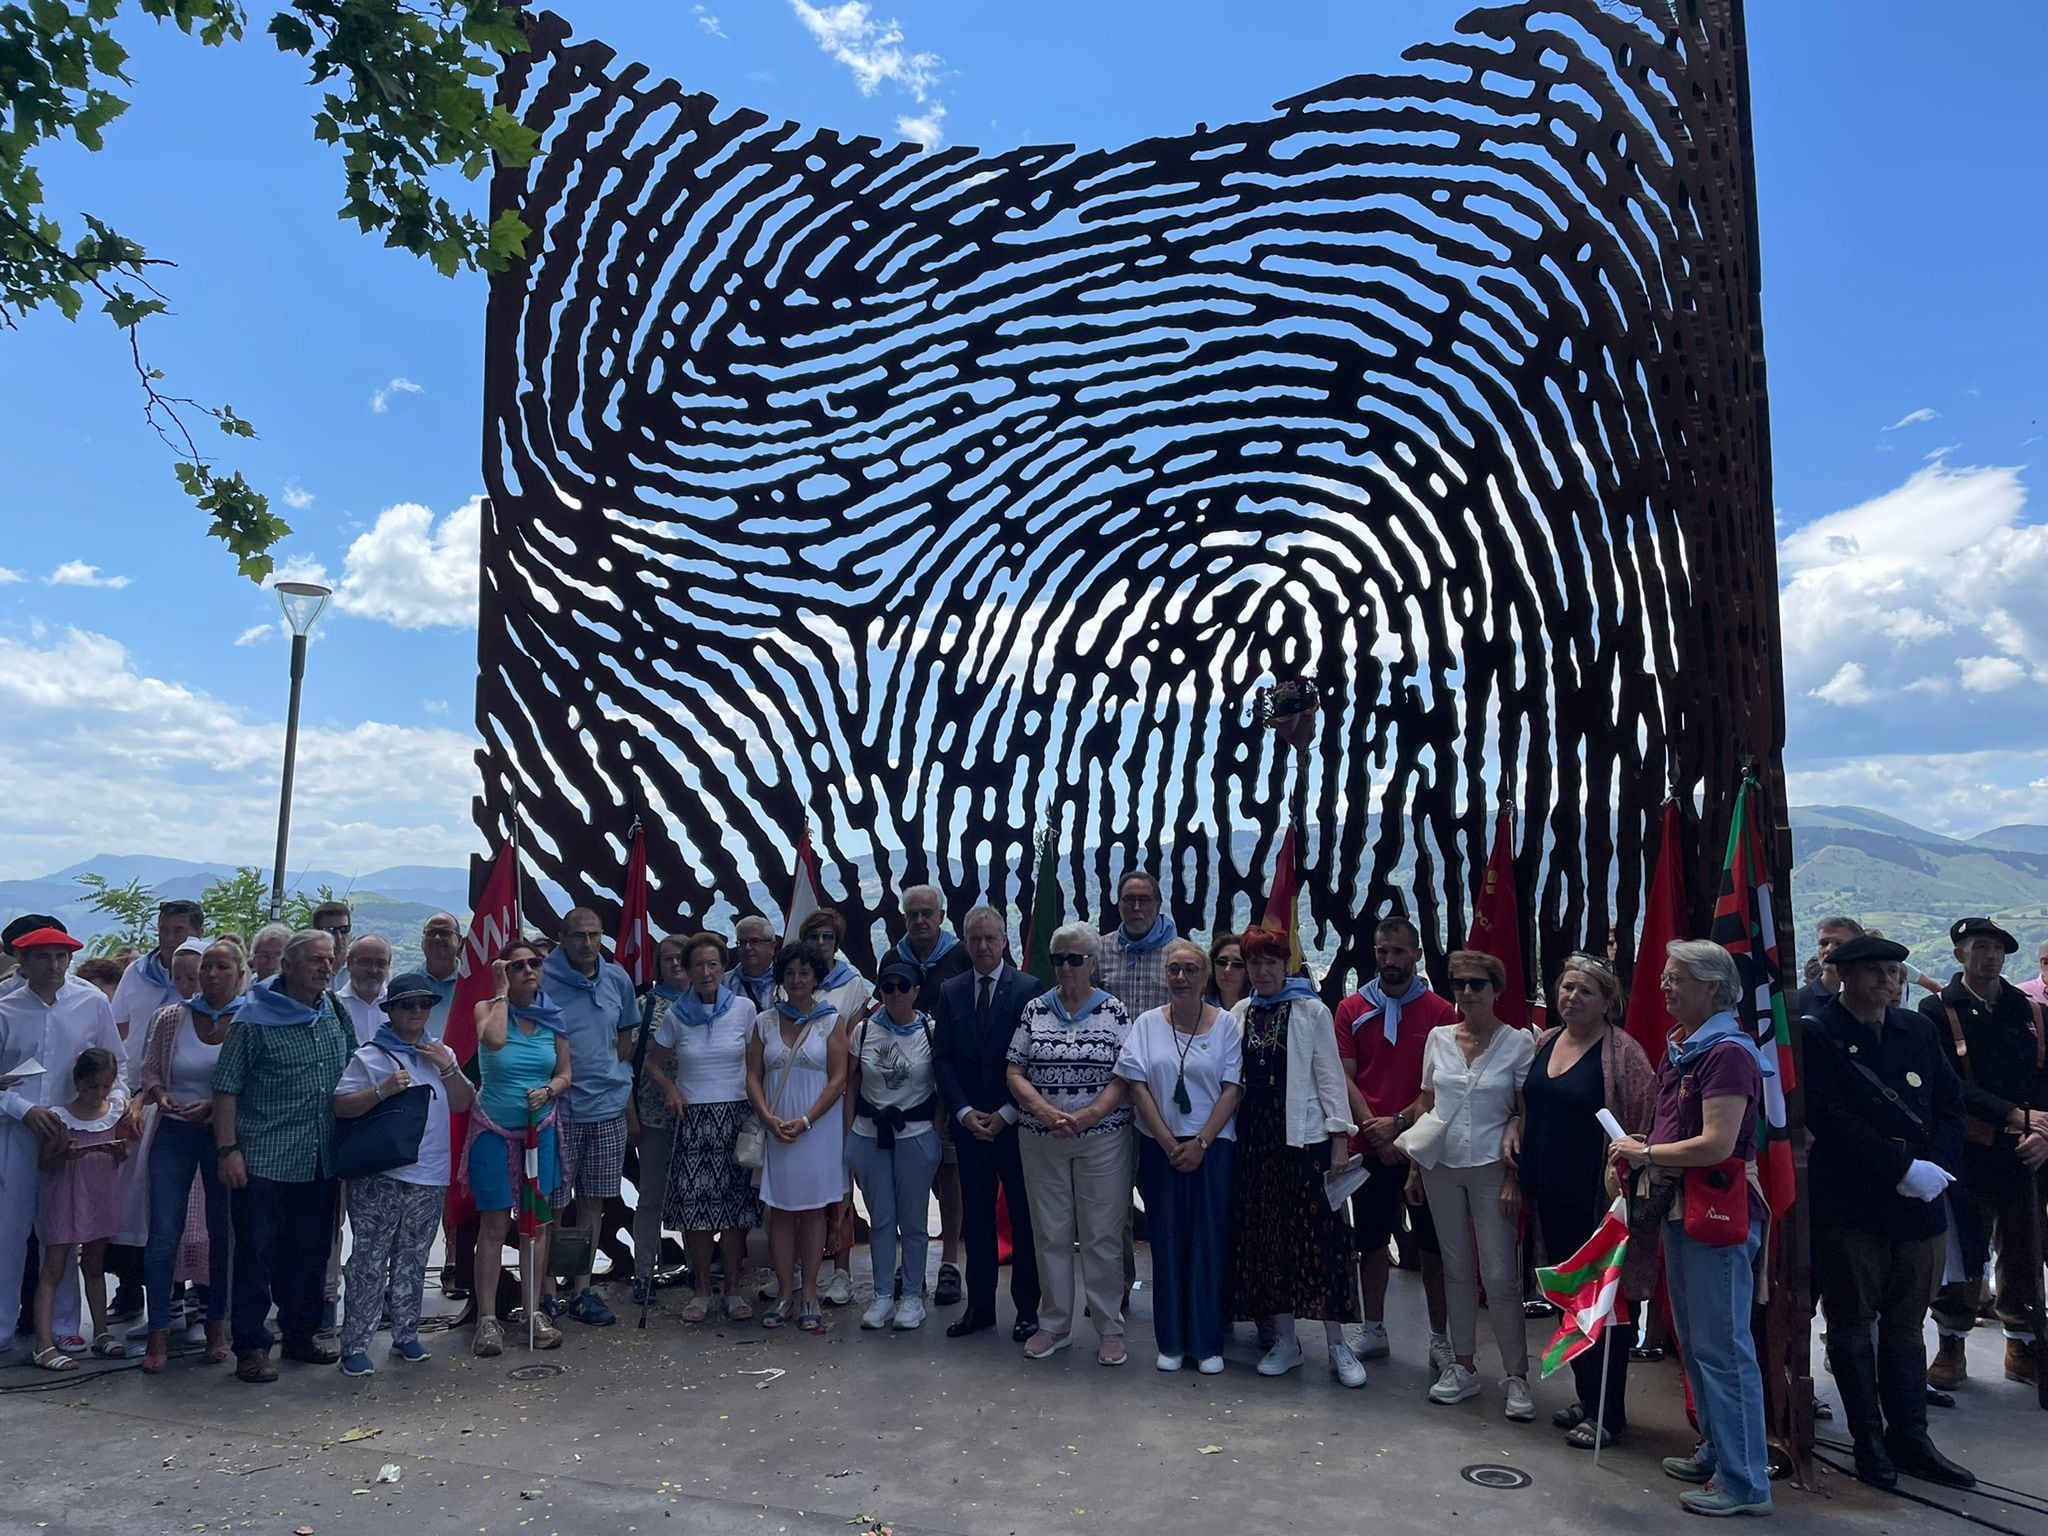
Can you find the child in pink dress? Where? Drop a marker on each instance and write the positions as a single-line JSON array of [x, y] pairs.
[[81, 1203]]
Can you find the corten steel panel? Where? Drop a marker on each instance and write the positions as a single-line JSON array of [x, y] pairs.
[[944, 498]]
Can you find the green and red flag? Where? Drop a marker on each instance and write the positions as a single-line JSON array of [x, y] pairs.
[[535, 1211], [1046, 909], [1585, 1288], [1746, 925]]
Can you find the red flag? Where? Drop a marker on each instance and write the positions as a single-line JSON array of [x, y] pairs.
[[1649, 1021], [635, 948], [1281, 905], [494, 925], [804, 895], [1497, 923]]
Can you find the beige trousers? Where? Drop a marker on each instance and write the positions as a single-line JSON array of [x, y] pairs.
[[1080, 1192]]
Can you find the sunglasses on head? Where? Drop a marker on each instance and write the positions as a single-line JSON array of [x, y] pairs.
[[1071, 959], [1471, 983], [895, 984]]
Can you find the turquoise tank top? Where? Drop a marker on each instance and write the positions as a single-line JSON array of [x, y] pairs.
[[524, 1063]]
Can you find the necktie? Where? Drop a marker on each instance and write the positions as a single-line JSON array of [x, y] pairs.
[[981, 1002]]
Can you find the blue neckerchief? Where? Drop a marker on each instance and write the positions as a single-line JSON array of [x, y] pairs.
[[1390, 1004], [159, 976], [1294, 989], [667, 993], [268, 1004], [758, 990], [388, 1039], [788, 1011], [693, 1010], [198, 1004], [557, 971], [1158, 936], [1722, 1026], [1059, 1008], [904, 952], [918, 1021], [542, 1011], [840, 975]]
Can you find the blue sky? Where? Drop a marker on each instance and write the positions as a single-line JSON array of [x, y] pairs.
[[1903, 225]]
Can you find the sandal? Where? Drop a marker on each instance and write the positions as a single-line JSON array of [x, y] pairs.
[[812, 1321], [1582, 1436], [738, 1308], [217, 1346], [778, 1316], [107, 1347], [54, 1359], [698, 1309], [1569, 1418]]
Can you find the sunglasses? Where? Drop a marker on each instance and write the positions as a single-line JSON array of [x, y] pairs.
[[894, 985], [1470, 983], [522, 965], [1071, 959], [1183, 970], [1229, 965], [411, 1005]]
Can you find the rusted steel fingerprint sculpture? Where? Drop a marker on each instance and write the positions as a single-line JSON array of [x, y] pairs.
[[942, 498]]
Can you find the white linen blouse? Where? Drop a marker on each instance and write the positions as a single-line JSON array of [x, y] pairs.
[[1475, 1102]]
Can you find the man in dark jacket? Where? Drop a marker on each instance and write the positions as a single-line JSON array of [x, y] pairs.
[[1886, 1113], [1995, 1039], [976, 1014]]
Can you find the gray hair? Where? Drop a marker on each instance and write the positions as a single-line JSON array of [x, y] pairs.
[[1076, 938], [1704, 960], [303, 938], [1192, 948], [981, 916], [268, 932], [754, 921], [932, 891]]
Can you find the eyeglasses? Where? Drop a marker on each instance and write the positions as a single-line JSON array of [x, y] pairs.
[[820, 938], [1229, 965], [1183, 969], [1470, 983], [522, 965], [895, 985], [757, 938], [338, 928], [1071, 959]]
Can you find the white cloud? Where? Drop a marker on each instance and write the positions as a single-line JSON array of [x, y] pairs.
[[1960, 793], [707, 21], [8, 578], [255, 634], [925, 129], [296, 496], [101, 756], [76, 573], [1913, 418], [1990, 674], [412, 572], [380, 402], [876, 53], [1845, 687]]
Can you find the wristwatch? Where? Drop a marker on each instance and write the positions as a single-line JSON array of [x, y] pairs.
[[1202, 1143], [1400, 1121], [233, 1146]]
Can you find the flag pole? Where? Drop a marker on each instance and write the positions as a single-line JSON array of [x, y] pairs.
[[528, 1282], [1600, 1418]]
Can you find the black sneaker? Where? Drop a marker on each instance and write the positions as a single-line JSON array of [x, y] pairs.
[[947, 1292]]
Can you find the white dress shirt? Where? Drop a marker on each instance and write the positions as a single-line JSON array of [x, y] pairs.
[[53, 1035], [367, 1017]]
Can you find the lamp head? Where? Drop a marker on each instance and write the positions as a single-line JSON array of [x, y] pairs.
[[303, 603]]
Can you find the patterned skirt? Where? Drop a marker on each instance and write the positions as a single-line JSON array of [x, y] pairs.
[[707, 1190]]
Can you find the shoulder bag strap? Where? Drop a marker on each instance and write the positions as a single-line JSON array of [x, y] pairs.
[[1890, 1097], [1955, 1030], [2040, 1036]]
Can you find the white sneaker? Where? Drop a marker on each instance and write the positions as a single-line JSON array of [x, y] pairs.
[[1455, 1385], [771, 1289], [879, 1312], [1168, 1362], [910, 1313], [1283, 1357], [1345, 1367], [1211, 1365], [1370, 1342], [1521, 1408], [835, 1286], [1439, 1353]]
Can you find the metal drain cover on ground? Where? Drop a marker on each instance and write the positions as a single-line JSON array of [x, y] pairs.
[[543, 1372], [1496, 1477]]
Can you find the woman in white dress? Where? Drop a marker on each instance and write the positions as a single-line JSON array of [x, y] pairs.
[[796, 1071]]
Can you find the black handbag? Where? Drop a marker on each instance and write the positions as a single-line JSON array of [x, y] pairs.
[[385, 1136]]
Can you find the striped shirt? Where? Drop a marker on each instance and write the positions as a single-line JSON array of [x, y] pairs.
[[283, 1079]]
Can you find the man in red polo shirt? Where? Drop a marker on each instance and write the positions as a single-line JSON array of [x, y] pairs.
[[1381, 1030]]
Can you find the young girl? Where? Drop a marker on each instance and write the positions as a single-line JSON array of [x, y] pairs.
[[81, 1204]]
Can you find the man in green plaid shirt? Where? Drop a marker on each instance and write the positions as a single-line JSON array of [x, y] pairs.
[[273, 1124]]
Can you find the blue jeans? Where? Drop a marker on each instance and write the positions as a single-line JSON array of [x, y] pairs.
[[1712, 1293], [178, 1151], [1187, 1220], [897, 1185]]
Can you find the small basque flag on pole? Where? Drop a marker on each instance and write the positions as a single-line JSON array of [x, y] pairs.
[[1585, 1288]]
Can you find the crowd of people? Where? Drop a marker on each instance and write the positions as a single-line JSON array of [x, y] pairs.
[[207, 1118]]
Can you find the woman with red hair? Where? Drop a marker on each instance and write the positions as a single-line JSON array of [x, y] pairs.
[[1290, 1253]]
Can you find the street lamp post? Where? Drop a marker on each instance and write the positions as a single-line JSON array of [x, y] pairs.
[[303, 602]]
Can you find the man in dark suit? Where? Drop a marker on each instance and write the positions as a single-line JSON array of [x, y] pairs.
[[975, 1015]]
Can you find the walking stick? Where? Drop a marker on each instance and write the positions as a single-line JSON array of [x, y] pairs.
[[2037, 1318]]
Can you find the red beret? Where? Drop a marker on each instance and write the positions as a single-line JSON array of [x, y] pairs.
[[39, 937]]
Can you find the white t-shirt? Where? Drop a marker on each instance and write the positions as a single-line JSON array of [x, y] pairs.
[[1475, 1102], [372, 1065], [711, 1059], [1153, 1055], [192, 1062], [895, 1072]]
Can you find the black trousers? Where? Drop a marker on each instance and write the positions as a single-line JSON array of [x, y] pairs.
[[984, 1165], [282, 1233], [1874, 1291], [1568, 1216]]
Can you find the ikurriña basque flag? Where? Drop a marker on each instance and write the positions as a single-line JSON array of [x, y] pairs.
[[1585, 1288], [1746, 925]]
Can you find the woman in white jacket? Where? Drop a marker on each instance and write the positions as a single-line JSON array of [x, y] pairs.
[[1290, 1253]]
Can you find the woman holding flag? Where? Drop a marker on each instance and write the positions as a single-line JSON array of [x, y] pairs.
[[510, 1159], [1588, 1065]]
